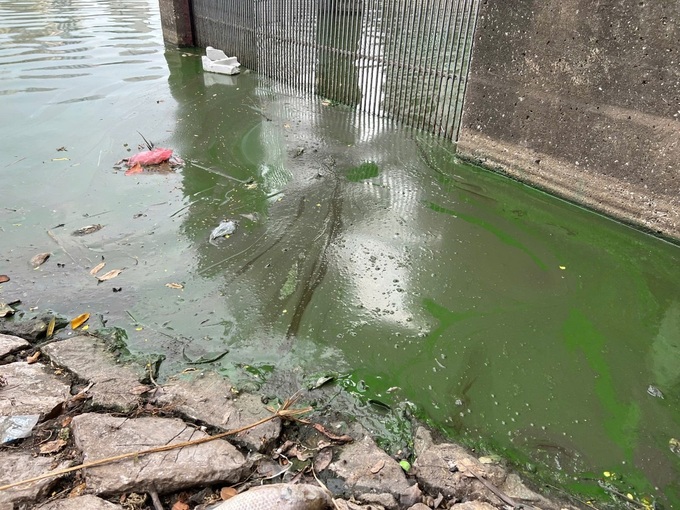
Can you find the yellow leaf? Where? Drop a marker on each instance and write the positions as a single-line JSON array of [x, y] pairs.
[[50, 327], [563, 268], [97, 268], [110, 275], [80, 320], [174, 285]]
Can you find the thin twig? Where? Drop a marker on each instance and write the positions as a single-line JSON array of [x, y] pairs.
[[156, 500], [284, 412], [56, 240]]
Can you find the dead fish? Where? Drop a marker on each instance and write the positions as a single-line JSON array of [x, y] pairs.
[[280, 496], [225, 228]]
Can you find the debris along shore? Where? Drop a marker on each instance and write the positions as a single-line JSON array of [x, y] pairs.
[[82, 429]]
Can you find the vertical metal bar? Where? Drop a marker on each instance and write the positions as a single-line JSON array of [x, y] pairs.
[[421, 52], [474, 12], [453, 82], [410, 85], [401, 62], [344, 28], [427, 56], [377, 52], [434, 49], [391, 59], [451, 39]]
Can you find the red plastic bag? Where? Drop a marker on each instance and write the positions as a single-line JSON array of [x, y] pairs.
[[153, 157]]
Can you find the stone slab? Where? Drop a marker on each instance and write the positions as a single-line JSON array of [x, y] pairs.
[[436, 470], [31, 389], [88, 502], [365, 472], [100, 436], [88, 358], [17, 466], [207, 396], [11, 343]]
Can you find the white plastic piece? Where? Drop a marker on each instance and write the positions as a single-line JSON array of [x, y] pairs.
[[216, 61]]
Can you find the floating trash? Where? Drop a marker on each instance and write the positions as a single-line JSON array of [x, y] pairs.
[[654, 391], [224, 229], [17, 427]]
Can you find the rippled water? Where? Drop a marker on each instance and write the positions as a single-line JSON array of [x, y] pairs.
[[519, 322]]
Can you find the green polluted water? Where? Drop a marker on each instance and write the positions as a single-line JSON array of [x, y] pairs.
[[516, 322]]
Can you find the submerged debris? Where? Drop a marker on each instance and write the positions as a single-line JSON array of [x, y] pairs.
[[39, 259], [224, 229], [654, 391], [90, 229]]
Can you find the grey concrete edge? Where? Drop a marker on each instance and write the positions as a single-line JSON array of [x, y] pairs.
[[606, 196]]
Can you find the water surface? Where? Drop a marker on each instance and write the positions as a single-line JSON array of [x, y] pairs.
[[513, 320]]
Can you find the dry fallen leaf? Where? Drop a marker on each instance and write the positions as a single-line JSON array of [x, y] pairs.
[[78, 490], [139, 390], [323, 459], [4, 278], [227, 493], [342, 439], [33, 358], [378, 466], [110, 275], [40, 259], [174, 285], [53, 446], [80, 320], [97, 268]]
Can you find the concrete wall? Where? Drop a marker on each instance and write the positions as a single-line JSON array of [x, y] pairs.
[[581, 98], [176, 22]]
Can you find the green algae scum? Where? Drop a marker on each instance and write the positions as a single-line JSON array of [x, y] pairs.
[[517, 323]]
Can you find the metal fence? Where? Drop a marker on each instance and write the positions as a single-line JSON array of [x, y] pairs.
[[406, 60]]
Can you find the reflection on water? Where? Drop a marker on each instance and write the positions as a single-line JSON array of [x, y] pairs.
[[365, 250]]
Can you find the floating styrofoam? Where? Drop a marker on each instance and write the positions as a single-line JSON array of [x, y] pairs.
[[216, 61]]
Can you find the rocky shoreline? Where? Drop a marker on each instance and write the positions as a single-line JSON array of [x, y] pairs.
[[78, 403]]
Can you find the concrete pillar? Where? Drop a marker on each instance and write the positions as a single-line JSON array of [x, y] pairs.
[[582, 99], [176, 22]]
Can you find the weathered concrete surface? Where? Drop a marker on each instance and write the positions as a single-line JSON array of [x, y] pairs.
[[9, 344], [581, 100], [87, 502], [365, 472], [176, 22], [31, 389], [207, 463], [18, 466], [115, 385], [207, 396]]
